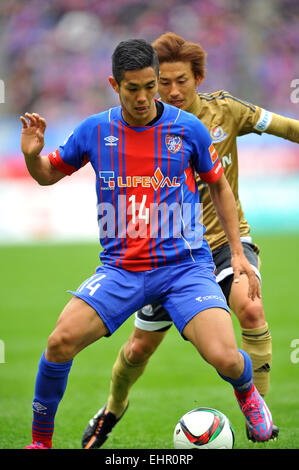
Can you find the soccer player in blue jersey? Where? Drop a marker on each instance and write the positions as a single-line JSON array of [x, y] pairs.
[[144, 154], [182, 69]]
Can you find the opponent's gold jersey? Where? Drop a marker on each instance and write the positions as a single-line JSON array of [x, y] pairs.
[[226, 118]]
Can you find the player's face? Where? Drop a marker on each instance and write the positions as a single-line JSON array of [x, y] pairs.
[[177, 84], [137, 91]]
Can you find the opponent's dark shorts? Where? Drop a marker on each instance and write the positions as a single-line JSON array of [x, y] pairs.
[[154, 317]]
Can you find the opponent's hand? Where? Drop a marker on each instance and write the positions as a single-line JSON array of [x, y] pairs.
[[241, 265], [32, 136]]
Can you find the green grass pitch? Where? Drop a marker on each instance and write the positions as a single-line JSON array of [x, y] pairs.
[[34, 283]]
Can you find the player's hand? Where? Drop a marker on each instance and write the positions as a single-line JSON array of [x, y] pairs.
[[241, 265], [32, 137]]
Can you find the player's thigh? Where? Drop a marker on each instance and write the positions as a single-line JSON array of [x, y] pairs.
[[78, 326], [113, 293], [249, 312], [142, 344], [211, 332], [193, 290]]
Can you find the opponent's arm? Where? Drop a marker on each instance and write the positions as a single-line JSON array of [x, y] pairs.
[[32, 143], [251, 118], [284, 127], [225, 205]]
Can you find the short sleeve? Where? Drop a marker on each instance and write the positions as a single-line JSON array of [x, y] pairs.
[[72, 155]]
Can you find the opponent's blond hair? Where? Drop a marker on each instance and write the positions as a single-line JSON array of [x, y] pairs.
[[173, 48]]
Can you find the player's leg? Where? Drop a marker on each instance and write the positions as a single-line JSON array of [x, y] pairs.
[[255, 335], [78, 326], [211, 332], [130, 364], [151, 325], [99, 306], [199, 311], [256, 338]]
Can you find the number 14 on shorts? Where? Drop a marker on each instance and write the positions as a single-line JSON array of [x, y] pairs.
[[92, 284]]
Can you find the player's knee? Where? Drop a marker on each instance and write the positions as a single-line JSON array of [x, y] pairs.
[[252, 314], [60, 347], [225, 359], [139, 350], [230, 362]]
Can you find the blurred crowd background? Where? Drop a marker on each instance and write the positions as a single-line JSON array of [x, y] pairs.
[[55, 59], [56, 55]]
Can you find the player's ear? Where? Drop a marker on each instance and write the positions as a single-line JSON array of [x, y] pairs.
[[198, 80], [114, 84]]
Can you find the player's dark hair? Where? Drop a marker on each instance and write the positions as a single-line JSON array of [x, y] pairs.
[[173, 48], [134, 54]]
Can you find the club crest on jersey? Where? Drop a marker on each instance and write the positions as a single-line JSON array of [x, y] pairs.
[[217, 134], [173, 143]]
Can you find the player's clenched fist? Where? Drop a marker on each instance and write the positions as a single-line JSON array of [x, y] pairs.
[[32, 137]]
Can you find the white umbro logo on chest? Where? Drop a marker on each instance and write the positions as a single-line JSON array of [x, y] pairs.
[[110, 140]]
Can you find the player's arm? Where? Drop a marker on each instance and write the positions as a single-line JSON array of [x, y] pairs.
[[225, 205], [284, 127], [250, 118], [210, 170], [32, 143]]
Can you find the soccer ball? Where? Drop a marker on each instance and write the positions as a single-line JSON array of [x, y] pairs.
[[204, 428]]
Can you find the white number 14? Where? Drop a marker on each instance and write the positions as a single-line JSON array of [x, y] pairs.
[[92, 285], [143, 213]]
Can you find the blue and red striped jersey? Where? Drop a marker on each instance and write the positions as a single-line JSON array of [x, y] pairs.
[[148, 202]]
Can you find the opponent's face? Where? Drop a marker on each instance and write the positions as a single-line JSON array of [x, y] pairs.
[[137, 91], [177, 84]]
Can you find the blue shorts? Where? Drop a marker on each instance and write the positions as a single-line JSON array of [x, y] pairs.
[[183, 290]]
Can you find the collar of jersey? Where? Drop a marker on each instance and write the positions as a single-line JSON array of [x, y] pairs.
[[163, 117], [195, 108]]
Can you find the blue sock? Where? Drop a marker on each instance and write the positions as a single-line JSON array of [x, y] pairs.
[[50, 385], [244, 383]]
